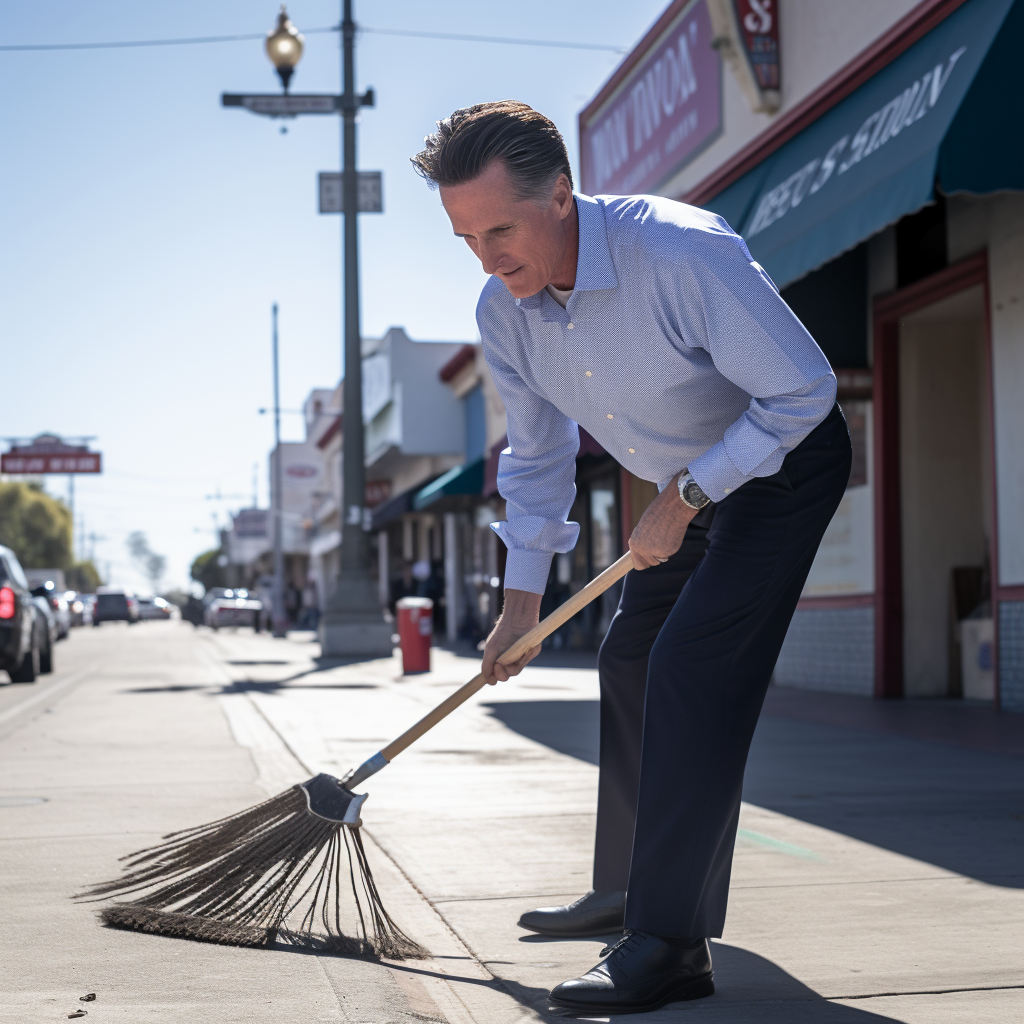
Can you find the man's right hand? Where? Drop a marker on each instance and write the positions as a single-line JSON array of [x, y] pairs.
[[520, 614]]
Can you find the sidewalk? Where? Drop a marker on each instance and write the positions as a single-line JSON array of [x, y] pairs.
[[878, 877]]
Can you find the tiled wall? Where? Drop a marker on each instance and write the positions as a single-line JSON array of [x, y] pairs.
[[833, 649], [1011, 655]]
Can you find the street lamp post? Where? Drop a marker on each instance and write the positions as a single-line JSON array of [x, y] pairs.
[[352, 623], [277, 615]]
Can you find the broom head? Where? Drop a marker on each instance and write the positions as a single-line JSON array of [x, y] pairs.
[[273, 872]]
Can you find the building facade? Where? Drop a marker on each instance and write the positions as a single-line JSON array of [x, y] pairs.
[[864, 153]]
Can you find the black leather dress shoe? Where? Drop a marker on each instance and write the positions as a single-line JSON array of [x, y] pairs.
[[639, 973], [597, 913]]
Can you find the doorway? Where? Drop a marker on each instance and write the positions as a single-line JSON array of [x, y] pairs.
[[934, 505]]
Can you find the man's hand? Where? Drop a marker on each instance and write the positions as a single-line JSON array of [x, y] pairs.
[[520, 614], [661, 529]]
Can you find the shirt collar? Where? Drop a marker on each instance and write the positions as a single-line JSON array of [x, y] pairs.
[[594, 267]]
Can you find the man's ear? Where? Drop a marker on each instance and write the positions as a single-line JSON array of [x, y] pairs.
[[562, 195]]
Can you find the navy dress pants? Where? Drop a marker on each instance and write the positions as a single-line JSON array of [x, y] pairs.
[[684, 669]]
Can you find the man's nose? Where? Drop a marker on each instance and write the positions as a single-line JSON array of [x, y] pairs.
[[490, 258]]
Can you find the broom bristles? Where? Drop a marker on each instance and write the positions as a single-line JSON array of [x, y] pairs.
[[236, 881]]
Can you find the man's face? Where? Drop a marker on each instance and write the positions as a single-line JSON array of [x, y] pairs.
[[516, 240]]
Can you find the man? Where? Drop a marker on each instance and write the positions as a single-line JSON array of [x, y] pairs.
[[647, 322]]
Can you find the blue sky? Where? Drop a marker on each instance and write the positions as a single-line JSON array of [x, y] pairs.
[[145, 231]]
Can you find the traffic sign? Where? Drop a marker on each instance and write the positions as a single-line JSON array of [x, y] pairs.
[[283, 104], [369, 185]]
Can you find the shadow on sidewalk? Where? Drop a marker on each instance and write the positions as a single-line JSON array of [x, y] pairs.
[[749, 989], [956, 808]]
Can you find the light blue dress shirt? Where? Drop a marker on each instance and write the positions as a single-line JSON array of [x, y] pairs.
[[675, 350]]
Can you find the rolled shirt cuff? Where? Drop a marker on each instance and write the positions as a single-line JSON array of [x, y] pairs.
[[716, 473], [527, 570]]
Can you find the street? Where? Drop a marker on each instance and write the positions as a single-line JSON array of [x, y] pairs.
[[869, 831]]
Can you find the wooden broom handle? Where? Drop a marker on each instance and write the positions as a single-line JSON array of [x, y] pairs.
[[544, 629]]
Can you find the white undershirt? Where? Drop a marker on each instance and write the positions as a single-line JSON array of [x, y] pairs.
[[561, 297]]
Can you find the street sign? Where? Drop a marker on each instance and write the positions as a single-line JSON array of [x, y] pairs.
[[283, 105], [49, 454], [370, 189]]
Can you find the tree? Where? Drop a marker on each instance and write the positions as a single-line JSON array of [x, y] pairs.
[[36, 527], [207, 569], [83, 577], [149, 562]]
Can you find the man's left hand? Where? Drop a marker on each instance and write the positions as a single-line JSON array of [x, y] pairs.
[[661, 529]]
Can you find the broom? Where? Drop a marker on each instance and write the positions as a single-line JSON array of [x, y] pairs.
[[239, 880]]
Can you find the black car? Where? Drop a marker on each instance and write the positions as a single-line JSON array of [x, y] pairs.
[[115, 606], [23, 636]]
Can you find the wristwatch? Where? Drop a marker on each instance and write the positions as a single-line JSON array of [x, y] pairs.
[[690, 492]]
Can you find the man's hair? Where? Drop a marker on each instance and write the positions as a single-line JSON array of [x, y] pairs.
[[467, 141]]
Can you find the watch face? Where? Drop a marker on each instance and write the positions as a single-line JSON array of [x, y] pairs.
[[694, 495]]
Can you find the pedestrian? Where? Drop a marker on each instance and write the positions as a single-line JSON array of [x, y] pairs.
[[647, 322]]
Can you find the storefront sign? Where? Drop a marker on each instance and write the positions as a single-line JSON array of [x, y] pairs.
[[746, 33], [377, 492], [660, 115], [759, 25]]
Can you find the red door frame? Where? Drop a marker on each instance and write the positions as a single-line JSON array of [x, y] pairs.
[[888, 309]]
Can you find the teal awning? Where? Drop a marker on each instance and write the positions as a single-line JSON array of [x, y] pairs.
[[468, 479], [875, 156]]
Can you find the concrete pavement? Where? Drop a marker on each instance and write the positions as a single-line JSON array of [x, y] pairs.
[[878, 874]]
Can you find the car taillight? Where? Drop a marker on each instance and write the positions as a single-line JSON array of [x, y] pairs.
[[6, 603]]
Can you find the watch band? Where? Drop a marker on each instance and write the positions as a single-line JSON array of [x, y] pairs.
[[690, 492]]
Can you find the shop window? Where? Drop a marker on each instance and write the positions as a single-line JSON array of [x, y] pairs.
[[831, 302], [921, 243]]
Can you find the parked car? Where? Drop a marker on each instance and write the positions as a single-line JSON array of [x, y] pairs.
[[233, 608], [114, 605], [80, 608], [47, 623], [47, 589], [154, 608], [22, 636]]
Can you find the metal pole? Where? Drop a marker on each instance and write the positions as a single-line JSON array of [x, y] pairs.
[[352, 623], [71, 502], [277, 593], [355, 552]]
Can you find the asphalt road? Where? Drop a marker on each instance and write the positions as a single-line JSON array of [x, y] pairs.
[[879, 873]]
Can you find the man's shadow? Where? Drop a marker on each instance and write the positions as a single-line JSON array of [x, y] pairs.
[[956, 808]]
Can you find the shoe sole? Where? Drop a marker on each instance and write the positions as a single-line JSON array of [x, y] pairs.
[[593, 933], [698, 988]]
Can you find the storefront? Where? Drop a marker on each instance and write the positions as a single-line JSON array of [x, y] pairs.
[[886, 205]]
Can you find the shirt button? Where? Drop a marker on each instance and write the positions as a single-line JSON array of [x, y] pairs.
[[610, 416], [569, 325], [518, 301], [632, 451], [728, 490], [589, 374]]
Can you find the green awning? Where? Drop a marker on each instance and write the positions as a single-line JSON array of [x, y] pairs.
[[937, 110], [468, 479]]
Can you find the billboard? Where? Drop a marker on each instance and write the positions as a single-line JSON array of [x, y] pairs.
[[658, 111], [50, 454]]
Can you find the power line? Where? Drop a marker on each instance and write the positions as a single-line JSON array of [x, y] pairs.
[[494, 39], [250, 36]]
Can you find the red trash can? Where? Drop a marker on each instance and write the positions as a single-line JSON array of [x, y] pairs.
[[415, 629]]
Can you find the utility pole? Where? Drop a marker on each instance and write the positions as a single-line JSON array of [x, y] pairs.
[[352, 623], [277, 590]]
